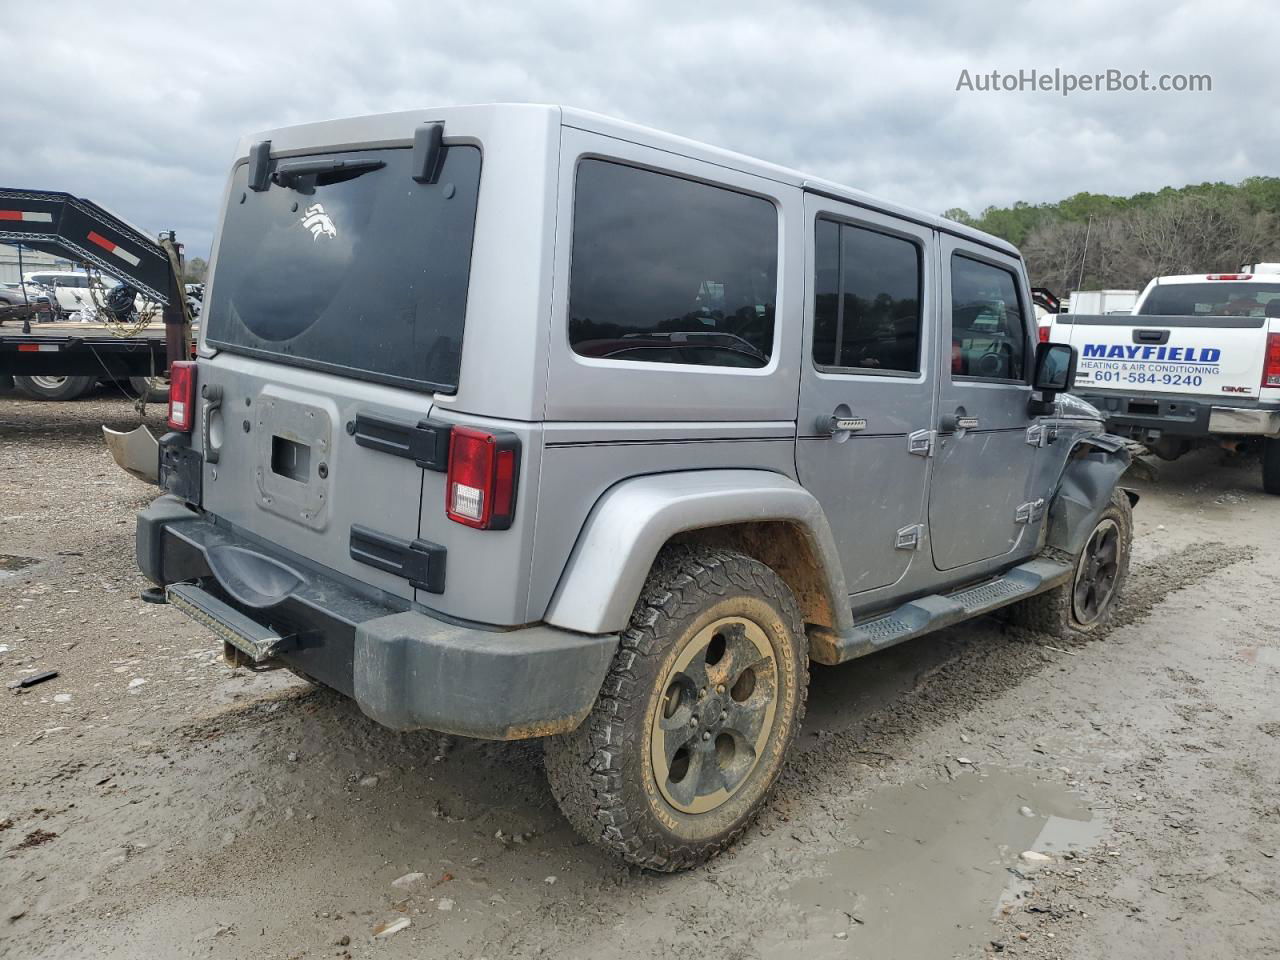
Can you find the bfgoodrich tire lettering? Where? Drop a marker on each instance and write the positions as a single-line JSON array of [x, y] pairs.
[[603, 774]]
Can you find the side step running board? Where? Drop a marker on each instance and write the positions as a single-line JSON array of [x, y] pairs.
[[926, 614]]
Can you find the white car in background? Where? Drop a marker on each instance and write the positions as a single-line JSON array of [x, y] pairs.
[[70, 291]]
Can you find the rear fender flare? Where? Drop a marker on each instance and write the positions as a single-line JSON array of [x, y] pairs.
[[1093, 469], [633, 519]]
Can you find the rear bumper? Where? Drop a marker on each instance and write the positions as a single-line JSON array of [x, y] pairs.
[[1148, 415], [405, 669]]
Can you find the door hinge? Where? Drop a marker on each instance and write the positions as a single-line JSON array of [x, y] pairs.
[[1035, 434], [421, 562], [920, 443], [909, 538], [1029, 512], [426, 442]]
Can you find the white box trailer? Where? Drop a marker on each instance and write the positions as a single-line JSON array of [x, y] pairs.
[[1101, 302]]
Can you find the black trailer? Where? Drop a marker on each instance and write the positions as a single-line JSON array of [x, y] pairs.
[[59, 360]]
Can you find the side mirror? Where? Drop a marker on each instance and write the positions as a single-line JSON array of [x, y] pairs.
[[1055, 368], [1055, 373]]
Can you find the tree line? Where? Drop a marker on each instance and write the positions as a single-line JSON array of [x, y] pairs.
[[1093, 241]]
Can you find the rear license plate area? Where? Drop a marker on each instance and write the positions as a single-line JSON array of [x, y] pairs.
[[291, 459]]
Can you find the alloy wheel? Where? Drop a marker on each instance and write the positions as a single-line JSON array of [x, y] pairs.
[[1097, 573], [716, 714]]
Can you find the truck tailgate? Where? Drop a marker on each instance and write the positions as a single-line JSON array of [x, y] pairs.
[[1219, 356]]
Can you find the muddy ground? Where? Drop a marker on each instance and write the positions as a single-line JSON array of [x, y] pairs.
[[156, 803]]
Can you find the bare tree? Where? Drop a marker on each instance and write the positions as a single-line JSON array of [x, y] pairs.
[[1186, 233]]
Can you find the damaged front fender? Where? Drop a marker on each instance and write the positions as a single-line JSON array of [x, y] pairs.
[[1093, 469]]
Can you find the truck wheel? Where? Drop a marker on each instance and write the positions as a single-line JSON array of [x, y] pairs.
[[696, 715], [54, 388], [151, 389], [1086, 603], [1271, 465]]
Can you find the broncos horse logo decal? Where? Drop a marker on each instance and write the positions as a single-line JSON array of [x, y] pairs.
[[317, 221]]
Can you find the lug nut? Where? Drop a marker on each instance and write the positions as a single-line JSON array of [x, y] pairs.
[[706, 735], [719, 688], [724, 716], [693, 721]]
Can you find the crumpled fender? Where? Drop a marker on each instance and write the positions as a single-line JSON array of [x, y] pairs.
[[1094, 467]]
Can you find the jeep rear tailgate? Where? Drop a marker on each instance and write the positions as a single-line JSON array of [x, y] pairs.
[[1213, 356], [338, 298]]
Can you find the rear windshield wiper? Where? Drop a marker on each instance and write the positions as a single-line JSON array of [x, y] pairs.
[[289, 173]]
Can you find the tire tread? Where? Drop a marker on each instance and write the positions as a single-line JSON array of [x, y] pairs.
[[585, 766]]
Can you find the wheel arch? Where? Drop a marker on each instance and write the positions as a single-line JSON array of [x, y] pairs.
[[764, 515], [1092, 471]]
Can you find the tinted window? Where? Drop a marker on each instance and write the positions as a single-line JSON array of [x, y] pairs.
[[866, 300], [363, 274], [1211, 299], [667, 270], [988, 337]]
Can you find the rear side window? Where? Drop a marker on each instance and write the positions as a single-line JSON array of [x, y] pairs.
[[988, 337], [668, 270], [866, 300]]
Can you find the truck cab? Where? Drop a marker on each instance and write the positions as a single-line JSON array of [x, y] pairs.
[[515, 421]]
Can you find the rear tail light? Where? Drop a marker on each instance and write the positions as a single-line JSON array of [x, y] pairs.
[[1228, 276], [182, 395], [1044, 333], [1271, 364], [480, 489]]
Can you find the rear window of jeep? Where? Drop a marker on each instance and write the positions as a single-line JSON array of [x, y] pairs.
[[669, 270], [361, 271]]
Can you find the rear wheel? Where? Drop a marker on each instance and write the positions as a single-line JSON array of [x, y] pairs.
[[53, 388], [151, 389], [1271, 466], [695, 718], [1085, 604]]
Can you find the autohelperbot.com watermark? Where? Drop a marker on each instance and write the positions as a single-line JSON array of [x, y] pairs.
[[1066, 82]]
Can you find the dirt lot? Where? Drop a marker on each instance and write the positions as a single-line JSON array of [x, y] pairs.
[[156, 803]]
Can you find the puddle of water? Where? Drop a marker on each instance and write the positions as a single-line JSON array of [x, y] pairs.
[[10, 564], [926, 868]]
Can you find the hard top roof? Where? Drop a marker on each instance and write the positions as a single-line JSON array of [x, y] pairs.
[[378, 126]]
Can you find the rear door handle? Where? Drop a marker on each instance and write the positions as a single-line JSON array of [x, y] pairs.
[[956, 422], [842, 423]]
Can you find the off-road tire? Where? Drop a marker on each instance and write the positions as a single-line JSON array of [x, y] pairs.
[[45, 388], [1271, 466], [601, 773], [1052, 612]]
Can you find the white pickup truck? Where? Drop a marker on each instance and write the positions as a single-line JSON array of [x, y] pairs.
[[1196, 362]]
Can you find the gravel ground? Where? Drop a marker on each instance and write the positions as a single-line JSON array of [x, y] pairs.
[[157, 803]]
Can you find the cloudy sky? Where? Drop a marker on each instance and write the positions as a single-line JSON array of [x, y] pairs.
[[139, 106]]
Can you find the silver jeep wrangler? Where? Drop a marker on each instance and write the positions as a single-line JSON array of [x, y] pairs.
[[516, 421]]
